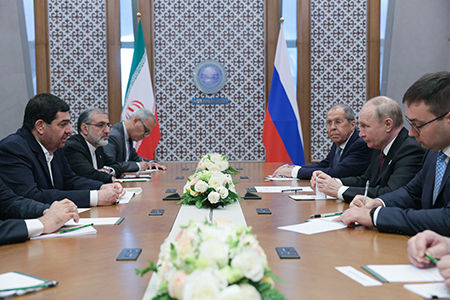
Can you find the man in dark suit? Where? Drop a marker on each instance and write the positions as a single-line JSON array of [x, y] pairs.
[[40, 217], [120, 145], [84, 151], [349, 155], [34, 166], [394, 163], [423, 203]]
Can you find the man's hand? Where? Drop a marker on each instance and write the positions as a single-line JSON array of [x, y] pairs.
[[444, 268], [314, 176], [104, 170], [58, 214], [144, 165], [430, 243], [356, 215], [155, 165], [116, 186], [358, 201], [327, 184], [283, 171]]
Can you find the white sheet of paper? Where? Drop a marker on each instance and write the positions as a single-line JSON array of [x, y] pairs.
[[278, 189], [279, 178], [317, 226], [96, 221], [78, 232], [406, 273], [13, 280], [133, 179], [126, 197], [80, 210], [309, 197], [136, 190], [358, 276], [428, 290]]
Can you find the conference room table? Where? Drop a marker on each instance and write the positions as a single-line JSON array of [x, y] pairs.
[[86, 266]]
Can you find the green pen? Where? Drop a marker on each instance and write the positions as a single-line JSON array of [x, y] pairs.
[[434, 260], [72, 229]]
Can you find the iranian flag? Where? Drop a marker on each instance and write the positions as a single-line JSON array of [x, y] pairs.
[[140, 94]]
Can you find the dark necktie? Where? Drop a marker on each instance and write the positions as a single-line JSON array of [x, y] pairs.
[[382, 158], [337, 156], [440, 170]]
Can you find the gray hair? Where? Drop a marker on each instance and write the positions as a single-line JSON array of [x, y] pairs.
[[385, 107], [144, 114], [349, 113], [86, 116]]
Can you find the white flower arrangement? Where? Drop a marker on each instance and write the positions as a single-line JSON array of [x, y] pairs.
[[215, 162], [213, 261], [209, 189]]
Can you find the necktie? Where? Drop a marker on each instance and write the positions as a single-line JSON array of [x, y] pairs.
[[440, 170], [382, 158], [337, 156]]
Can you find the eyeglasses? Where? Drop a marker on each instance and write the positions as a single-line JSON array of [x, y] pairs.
[[336, 123], [146, 130], [417, 128], [101, 125]]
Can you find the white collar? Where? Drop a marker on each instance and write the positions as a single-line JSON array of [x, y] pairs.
[[48, 155]]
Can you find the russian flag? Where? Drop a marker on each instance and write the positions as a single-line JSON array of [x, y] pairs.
[[282, 132]]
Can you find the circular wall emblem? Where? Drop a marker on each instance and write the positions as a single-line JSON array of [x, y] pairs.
[[210, 76]]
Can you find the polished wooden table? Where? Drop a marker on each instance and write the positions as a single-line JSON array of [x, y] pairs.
[[86, 266]]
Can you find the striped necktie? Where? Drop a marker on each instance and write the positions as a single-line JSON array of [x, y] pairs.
[[440, 170]]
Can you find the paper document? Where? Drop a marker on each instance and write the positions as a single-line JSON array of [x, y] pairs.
[[23, 282], [126, 197], [82, 231], [80, 210], [358, 276], [95, 221], [133, 180], [429, 290], [278, 189], [403, 273], [309, 197], [315, 226], [136, 190], [280, 178]]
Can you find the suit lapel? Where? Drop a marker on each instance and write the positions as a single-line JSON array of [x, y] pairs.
[[402, 135], [122, 138], [438, 202]]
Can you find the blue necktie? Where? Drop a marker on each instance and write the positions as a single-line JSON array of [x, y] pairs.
[[440, 170], [337, 156]]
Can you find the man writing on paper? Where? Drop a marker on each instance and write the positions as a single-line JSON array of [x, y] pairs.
[[434, 245], [39, 217], [423, 203], [84, 151], [34, 166], [349, 155], [394, 163], [120, 146]]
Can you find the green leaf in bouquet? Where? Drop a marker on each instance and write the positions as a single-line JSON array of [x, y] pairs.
[[142, 272]]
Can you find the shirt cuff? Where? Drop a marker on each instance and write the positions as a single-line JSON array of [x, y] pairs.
[[139, 166], [375, 216], [382, 202], [294, 171], [111, 170], [94, 198], [341, 190], [34, 227]]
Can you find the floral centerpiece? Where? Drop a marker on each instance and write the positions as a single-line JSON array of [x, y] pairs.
[[215, 162], [213, 261], [209, 189]]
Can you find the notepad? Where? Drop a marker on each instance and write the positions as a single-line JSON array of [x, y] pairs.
[[280, 178], [95, 221], [82, 231], [309, 197], [403, 273], [126, 197], [24, 284], [429, 290], [278, 189], [315, 226], [136, 190]]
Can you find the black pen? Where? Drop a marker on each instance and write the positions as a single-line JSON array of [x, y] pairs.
[[326, 215], [292, 190]]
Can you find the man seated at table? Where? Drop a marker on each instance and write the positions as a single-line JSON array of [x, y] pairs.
[[394, 163], [423, 203], [84, 151], [34, 166], [22, 218], [349, 155], [120, 146], [435, 246]]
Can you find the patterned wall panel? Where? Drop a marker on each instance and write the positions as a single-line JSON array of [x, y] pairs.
[[338, 63], [187, 32], [77, 38]]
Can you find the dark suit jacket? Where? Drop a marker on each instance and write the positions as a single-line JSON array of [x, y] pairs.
[[13, 209], [353, 162], [401, 164], [410, 209], [77, 153], [117, 151], [25, 171]]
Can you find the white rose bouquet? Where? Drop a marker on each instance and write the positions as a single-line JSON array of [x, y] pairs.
[[209, 189], [215, 162], [213, 261]]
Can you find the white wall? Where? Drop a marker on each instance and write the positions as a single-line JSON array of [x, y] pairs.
[[419, 43], [13, 83]]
